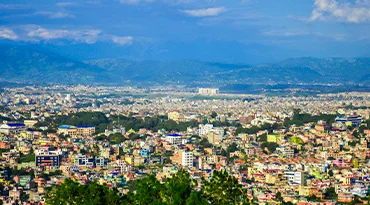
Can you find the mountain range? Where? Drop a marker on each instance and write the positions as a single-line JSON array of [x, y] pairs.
[[27, 65]]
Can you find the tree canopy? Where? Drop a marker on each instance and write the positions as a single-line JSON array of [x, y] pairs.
[[181, 189]]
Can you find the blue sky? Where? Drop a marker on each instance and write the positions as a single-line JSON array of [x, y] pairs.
[[235, 31]]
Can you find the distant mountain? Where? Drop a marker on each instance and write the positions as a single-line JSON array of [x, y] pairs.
[[24, 64]]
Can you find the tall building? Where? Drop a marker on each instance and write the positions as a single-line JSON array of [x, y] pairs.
[[295, 177], [186, 158], [208, 91]]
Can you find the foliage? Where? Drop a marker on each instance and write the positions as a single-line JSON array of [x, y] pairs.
[[330, 193], [214, 114], [27, 158], [100, 137], [72, 192], [300, 119], [314, 198], [271, 146], [204, 143], [331, 173], [116, 138], [221, 189]]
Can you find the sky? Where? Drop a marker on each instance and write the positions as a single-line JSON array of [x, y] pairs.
[[231, 31]]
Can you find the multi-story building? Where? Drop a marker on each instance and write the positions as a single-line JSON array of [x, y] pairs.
[[209, 91], [48, 158], [175, 139], [295, 177], [186, 158], [75, 131], [351, 120], [204, 129]]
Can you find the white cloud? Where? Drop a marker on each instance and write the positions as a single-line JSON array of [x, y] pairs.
[[286, 33], [205, 12], [356, 12], [65, 4], [55, 15], [7, 34], [14, 6], [85, 36], [125, 40], [130, 1], [133, 2], [302, 33]]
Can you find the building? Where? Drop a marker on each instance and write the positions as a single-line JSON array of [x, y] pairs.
[[215, 135], [12, 128], [275, 137], [208, 91], [48, 158], [185, 158], [246, 119], [351, 120], [83, 160], [75, 131], [175, 139], [205, 129], [176, 116], [295, 177]]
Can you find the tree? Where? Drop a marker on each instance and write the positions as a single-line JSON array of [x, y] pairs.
[[178, 188], [214, 114], [222, 188], [72, 192], [196, 198], [330, 193], [331, 173], [279, 197], [148, 191]]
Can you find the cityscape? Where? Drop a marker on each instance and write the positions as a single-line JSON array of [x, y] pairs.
[[184, 102], [298, 150]]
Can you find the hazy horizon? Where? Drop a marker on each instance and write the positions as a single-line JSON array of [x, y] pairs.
[[240, 31]]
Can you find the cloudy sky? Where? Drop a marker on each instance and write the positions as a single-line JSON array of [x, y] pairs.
[[238, 31]]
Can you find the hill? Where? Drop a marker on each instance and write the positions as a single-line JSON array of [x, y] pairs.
[[27, 65]]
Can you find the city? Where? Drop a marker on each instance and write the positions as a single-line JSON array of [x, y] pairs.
[[184, 102], [299, 150]]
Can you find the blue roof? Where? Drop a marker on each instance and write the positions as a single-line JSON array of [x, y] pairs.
[[65, 126], [16, 124], [84, 126], [174, 135]]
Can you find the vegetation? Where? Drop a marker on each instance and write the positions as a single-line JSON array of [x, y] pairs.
[[300, 119], [27, 158], [221, 189]]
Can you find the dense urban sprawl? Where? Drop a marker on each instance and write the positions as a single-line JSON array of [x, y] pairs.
[[119, 140]]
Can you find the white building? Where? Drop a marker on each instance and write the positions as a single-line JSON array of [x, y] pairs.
[[186, 159], [205, 129], [295, 177], [209, 91], [175, 139]]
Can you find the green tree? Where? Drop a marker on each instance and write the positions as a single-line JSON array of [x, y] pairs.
[[214, 114], [196, 198], [222, 189], [331, 173], [71, 192], [148, 191], [178, 188], [330, 193]]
